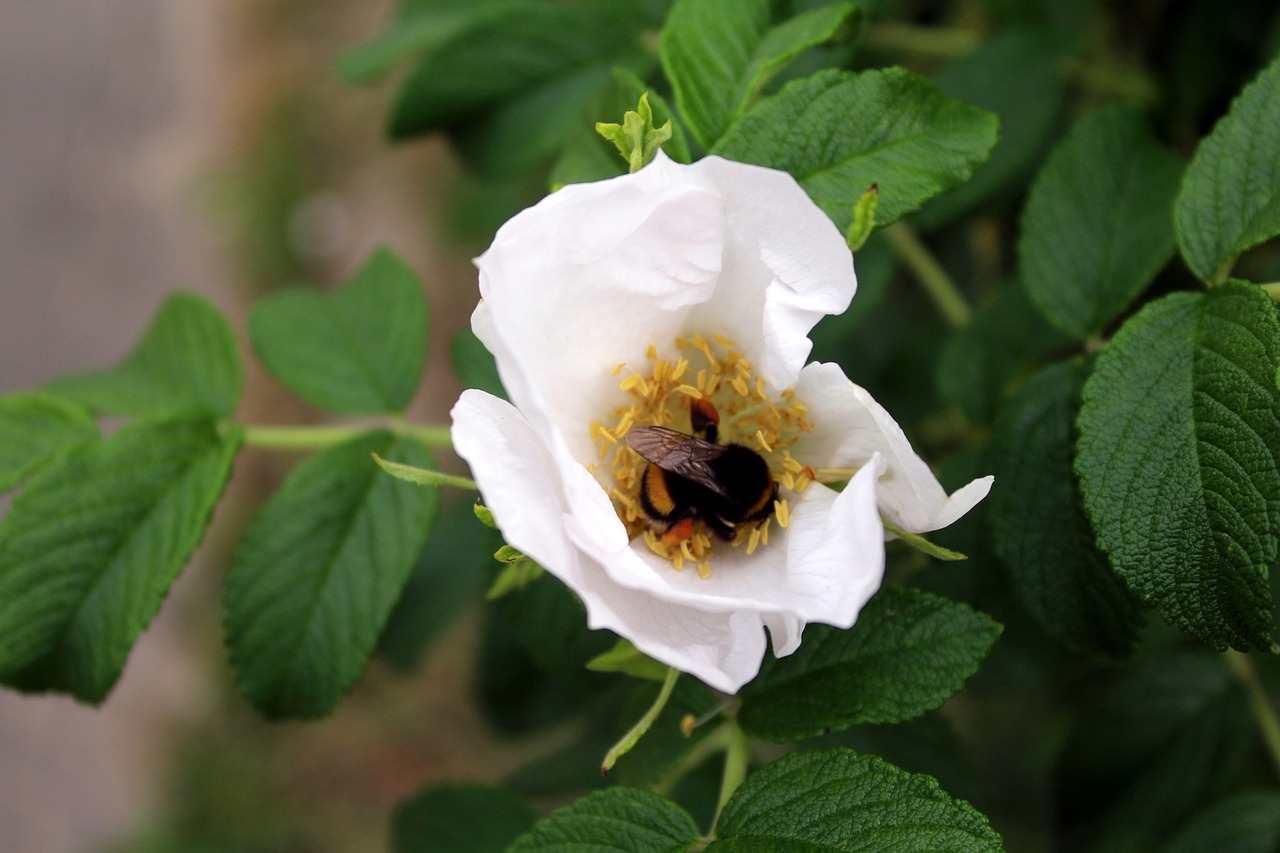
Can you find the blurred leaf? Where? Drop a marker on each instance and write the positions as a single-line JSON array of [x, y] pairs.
[[838, 133], [837, 678], [1179, 433], [874, 263], [1004, 338], [664, 746], [1230, 199], [719, 54], [459, 819], [359, 350], [88, 550], [1247, 822], [1164, 738], [1018, 75], [37, 428], [616, 819], [1096, 227], [1041, 532], [839, 800], [186, 362], [318, 572], [474, 365], [627, 659]]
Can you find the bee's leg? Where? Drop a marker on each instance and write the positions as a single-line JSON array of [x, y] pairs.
[[678, 532], [721, 529]]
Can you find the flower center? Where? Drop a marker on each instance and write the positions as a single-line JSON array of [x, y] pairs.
[[705, 395]]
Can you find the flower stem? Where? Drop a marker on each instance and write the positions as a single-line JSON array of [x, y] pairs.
[[736, 755], [916, 255], [631, 738], [1264, 711], [325, 435], [1223, 272], [933, 41]]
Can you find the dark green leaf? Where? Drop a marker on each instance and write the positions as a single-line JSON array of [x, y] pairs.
[[35, 428], [809, 802], [459, 819], [616, 820], [908, 652], [664, 746], [1162, 740], [474, 365], [1230, 199], [1018, 75], [187, 361], [1096, 227], [1247, 822], [89, 549], [1041, 532], [318, 572], [359, 350], [1177, 460], [838, 133], [719, 54], [1003, 339]]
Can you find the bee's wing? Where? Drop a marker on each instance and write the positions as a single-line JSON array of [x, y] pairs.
[[673, 451]]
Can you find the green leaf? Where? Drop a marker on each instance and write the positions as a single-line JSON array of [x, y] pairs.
[[719, 54], [1247, 822], [831, 800], [627, 659], [907, 653], [1096, 227], [588, 157], [36, 428], [186, 362], [1041, 531], [1004, 338], [318, 572], [89, 549], [1230, 198], [459, 819], [359, 350], [616, 820], [664, 746], [1177, 460], [474, 365], [1159, 742], [1018, 75], [838, 133]]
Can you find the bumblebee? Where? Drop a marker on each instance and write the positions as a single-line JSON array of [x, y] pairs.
[[698, 479]]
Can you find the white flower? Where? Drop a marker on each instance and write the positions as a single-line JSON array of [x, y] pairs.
[[601, 304]]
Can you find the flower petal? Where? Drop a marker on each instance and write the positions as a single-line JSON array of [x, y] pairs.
[[850, 426]]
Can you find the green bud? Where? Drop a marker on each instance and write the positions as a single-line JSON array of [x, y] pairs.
[[864, 218], [636, 138]]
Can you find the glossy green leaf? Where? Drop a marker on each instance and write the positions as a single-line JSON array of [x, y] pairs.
[[838, 133], [186, 362], [88, 550], [834, 800], [1096, 227], [1230, 198], [616, 820], [1179, 434], [35, 428], [459, 819], [907, 653], [359, 350], [1246, 822], [719, 53], [1041, 532], [318, 572]]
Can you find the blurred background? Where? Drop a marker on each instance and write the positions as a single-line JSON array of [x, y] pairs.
[[150, 146]]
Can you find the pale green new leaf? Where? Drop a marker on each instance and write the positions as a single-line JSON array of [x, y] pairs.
[[838, 800], [359, 350], [719, 53], [89, 549], [1230, 199], [35, 428], [838, 133], [1096, 228], [615, 820], [907, 653], [187, 361], [318, 572], [1179, 434]]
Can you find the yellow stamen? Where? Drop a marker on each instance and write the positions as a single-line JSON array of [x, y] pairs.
[[689, 391], [782, 512]]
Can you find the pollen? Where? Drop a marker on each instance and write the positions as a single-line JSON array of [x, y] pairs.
[[708, 369]]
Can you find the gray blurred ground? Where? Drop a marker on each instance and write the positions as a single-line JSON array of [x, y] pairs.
[[107, 112]]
